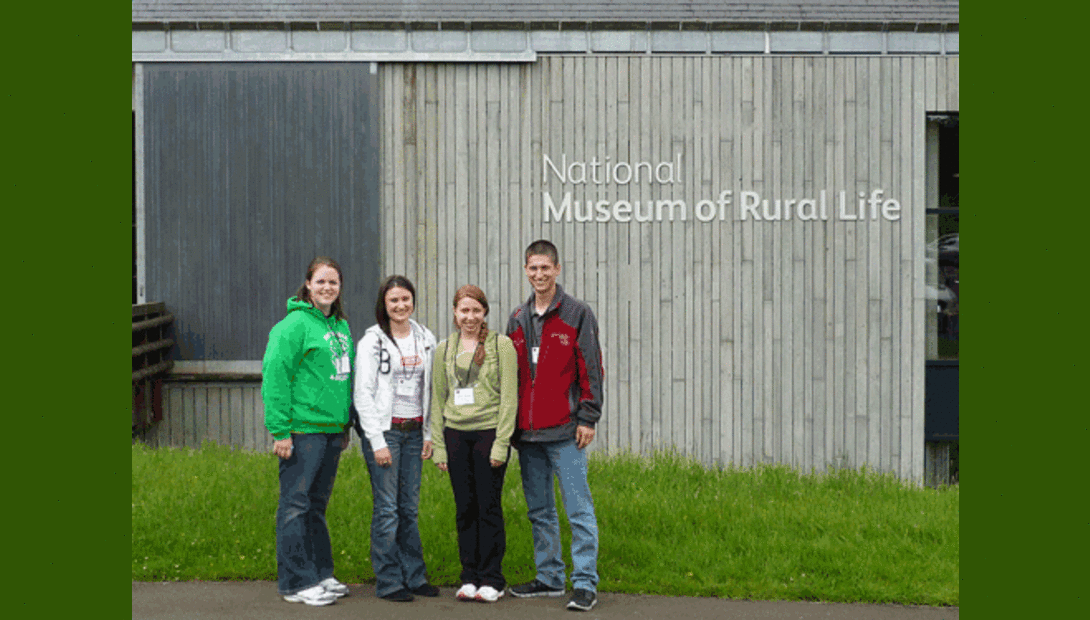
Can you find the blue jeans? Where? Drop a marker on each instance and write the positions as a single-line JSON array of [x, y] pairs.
[[397, 555], [304, 556], [539, 461]]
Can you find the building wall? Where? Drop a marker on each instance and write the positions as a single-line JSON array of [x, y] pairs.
[[743, 342], [732, 341]]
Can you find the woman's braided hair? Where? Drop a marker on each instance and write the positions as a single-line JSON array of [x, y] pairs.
[[474, 292]]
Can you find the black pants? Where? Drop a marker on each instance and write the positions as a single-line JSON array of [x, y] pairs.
[[478, 489]]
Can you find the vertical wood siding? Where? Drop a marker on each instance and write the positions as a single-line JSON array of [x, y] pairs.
[[229, 414], [734, 342], [226, 413]]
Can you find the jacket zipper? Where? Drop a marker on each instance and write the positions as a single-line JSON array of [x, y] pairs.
[[533, 379], [540, 356]]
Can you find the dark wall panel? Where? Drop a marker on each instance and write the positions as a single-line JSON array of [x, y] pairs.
[[251, 171]]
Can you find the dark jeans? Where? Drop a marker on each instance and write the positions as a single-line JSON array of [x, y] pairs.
[[304, 556], [478, 489]]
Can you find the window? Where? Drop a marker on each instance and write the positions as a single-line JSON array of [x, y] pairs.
[[942, 238], [942, 312]]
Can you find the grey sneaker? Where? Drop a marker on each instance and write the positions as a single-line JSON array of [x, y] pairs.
[[535, 589], [582, 600]]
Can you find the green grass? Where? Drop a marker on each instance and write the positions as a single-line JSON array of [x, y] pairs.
[[668, 526]]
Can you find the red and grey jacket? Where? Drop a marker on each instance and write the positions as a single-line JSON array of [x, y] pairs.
[[565, 390]]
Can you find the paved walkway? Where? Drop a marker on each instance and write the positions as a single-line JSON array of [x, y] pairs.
[[258, 600]]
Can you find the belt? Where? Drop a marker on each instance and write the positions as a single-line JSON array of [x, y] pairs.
[[406, 424]]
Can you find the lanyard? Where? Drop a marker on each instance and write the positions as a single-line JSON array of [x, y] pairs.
[[462, 384], [412, 373]]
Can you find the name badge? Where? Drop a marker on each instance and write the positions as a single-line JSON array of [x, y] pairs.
[[404, 388], [534, 352], [463, 396]]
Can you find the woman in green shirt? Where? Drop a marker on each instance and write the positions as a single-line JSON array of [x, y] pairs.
[[474, 402], [306, 387]]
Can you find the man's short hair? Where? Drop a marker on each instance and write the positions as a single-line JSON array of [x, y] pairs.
[[543, 247]]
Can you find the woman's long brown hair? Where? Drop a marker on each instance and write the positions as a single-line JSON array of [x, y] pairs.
[[475, 293]]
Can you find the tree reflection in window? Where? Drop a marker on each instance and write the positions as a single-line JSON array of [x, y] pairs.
[[943, 238]]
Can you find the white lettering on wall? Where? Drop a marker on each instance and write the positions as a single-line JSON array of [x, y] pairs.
[[620, 173], [751, 205]]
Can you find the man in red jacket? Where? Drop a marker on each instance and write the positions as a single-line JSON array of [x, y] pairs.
[[560, 402]]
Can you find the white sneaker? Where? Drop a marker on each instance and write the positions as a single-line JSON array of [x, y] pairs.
[[467, 592], [488, 594], [316, 596], [334, 587]]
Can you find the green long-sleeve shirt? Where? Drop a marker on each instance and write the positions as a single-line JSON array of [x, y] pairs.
[[495, 392]]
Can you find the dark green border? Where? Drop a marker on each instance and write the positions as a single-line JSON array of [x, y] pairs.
[[1023, 413], [67, 237]]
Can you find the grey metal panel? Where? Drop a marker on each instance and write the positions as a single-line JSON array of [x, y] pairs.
[[618, 41], [795, 42], [198, 41], [149, 41], [251, 171], [499, 41], [559, 41], [855, 42], [951, 41], [259, 41], [380, 40], [915, 42], [319, 41], [877, 11], [439, 41], [738, 41], [678, 41]]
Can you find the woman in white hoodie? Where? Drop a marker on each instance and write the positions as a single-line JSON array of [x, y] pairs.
[[393, 397]]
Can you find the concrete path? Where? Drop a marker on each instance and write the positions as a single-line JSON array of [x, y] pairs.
[[258, 600]]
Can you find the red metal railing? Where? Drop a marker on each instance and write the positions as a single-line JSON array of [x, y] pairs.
[[151, 325]]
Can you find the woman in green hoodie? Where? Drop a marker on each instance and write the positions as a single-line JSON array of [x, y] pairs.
[[306, 387]]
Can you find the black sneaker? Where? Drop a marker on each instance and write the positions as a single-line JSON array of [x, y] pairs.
[[426, 589], [582, 600], [535, 589], [400, 596]]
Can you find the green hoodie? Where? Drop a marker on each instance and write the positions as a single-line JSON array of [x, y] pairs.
[[306, 376]]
